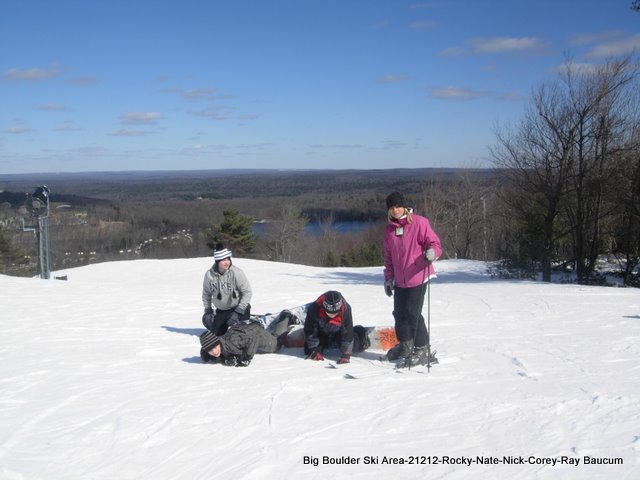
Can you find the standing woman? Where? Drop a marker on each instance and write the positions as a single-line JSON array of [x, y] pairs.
[[410, 247]]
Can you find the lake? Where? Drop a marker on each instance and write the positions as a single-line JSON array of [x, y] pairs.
[[315, 228]]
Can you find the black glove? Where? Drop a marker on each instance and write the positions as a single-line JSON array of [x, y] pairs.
[[206, 358], [243, 362], [231, 361], [207, 318]]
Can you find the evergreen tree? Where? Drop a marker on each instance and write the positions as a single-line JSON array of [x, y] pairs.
[[9, 255], [234, 232]]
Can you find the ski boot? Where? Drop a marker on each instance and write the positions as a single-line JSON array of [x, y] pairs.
[[282, 327], [419, 356], [400, 351]]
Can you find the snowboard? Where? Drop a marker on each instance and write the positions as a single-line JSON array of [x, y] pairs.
[[380, 338], [268, 320]]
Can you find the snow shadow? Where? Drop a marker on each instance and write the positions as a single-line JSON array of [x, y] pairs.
[[186, 331], [369, 277], [346, 278], [461, 277], [357, 278], [195, 359]]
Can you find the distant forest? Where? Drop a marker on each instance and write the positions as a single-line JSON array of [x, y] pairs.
[[98, 217], [483, 214]]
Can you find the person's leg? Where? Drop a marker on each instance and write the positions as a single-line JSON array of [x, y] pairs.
[[413, 314]]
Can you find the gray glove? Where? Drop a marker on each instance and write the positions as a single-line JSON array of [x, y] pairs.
[[429, 254], [233, 319], [388, 287]]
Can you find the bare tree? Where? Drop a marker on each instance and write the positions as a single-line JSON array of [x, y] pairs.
[[561, 159], [599, 99], [284, 235], [537, 162]]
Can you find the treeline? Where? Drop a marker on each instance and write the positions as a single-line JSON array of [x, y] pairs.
[[110, 229], [468, 208]]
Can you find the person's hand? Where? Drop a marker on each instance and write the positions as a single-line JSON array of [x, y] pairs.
[[233, 319], [316, 355], [344, 358], [207, 318], [388, 287], [429, 254], [243, 362], [206, 358], [231, 361]]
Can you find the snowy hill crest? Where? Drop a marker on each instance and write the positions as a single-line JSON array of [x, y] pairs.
[[101, 378]]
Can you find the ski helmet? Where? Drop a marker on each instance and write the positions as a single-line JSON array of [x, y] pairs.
[[332, 301]]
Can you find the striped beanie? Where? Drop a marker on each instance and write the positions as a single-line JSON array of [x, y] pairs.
[[220, 252], [208, 340]]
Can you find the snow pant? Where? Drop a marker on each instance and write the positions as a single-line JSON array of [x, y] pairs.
[[334, 340], [219, 324], [268, 343], [327, 341], [407, 313]]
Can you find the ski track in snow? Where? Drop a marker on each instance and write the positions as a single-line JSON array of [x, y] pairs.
[[101, 378]]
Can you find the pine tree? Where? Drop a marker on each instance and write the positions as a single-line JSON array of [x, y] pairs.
[[234, 232]]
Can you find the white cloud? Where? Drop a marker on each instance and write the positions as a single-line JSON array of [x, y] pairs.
[[52, 107], [422, 25], [67, 126], [83, 81], [393, 78], [614, 48], [455, 93], [214, 113], [199, 93], [496, 45], [32, 74], [18, 128], [338, 146], [505, 44], [126, 132], [141, 118]]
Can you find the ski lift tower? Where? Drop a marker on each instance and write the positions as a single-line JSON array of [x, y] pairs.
[[38, 206]]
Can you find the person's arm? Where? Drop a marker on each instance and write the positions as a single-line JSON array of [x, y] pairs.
[[244, 289]]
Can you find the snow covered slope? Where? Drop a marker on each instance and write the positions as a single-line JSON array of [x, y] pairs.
[[100, 378]]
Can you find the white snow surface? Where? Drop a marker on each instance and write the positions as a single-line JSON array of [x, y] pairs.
[[100, 378]]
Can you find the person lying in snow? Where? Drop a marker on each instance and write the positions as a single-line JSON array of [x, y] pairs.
[[237, 346], [329, 321]]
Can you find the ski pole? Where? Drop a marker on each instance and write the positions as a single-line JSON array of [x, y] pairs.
[[429, 326]]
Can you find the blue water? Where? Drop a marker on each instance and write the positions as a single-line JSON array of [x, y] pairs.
[[315, 228]]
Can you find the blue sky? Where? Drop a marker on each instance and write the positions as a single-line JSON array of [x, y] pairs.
[[89, 85]]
